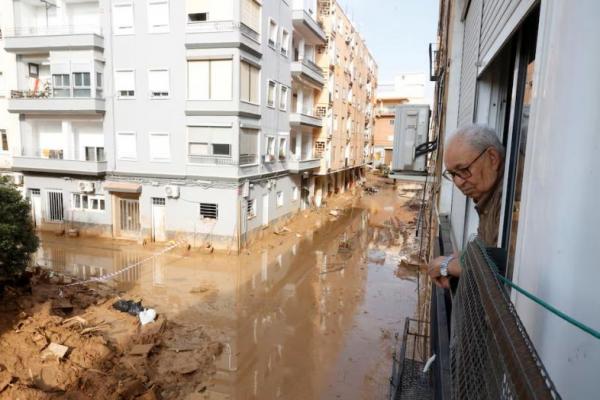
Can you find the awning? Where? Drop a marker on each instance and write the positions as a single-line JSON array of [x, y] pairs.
[[123, 187]]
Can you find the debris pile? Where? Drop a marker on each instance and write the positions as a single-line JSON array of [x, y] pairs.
[[87, 345]]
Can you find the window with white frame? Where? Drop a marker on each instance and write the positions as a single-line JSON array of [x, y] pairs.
[[126, 145], [270, 150], [61, 85], [250, 14], [272, 32], [123, 21], [160, 146], [209, 210], [283, 97], [82, 84], [158, 16], [249, 83], [158, 83], [4, 139], [285, 42], [295, 193], [88, 202], [279, 199], [271, 91], [221, 149], [210, 79], [209, 143], [125, 83], [251, 208], [282, 148], [93, 153], [98, 84]]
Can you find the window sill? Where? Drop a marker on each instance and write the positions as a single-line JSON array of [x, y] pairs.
[[126, 98], [251, 103], [160, 97]]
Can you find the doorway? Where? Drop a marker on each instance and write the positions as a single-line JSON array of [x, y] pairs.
[[158, 219], [127, 216], [265, 210], [36, 206]]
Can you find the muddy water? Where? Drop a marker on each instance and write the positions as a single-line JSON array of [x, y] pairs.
[[310, 317]]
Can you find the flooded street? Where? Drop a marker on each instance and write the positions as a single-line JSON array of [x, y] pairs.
[[306, 315]]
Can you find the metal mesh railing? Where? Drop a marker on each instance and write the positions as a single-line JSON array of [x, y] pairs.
[[409, 380], [491, 354]]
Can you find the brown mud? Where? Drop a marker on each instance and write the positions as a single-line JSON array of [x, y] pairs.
[[308, 311]]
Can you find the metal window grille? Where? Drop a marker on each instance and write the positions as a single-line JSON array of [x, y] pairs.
[[55, 206], [129, 215], [250, 208], [158, 201], [35, 192], [209, 210]]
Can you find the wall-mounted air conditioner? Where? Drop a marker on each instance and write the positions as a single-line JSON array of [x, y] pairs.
[[411, 133], [86, 187], [172, 191]]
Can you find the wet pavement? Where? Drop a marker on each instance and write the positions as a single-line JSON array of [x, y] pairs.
[[305, 316]]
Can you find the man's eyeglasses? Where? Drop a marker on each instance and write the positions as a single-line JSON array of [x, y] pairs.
[[464, 172]]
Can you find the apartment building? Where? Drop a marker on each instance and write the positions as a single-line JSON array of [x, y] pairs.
[[161, 119], [346, 102]]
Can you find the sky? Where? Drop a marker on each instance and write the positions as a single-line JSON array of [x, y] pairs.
[[397, 32]]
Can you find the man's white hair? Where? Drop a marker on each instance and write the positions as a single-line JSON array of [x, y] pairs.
[[480, 137]]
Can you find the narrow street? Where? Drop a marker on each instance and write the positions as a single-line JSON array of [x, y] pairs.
[[307, 313]]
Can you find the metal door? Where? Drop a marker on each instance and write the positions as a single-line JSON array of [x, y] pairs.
[[36, 206], [158, 219], [129, 216], [55, 206], [265, 210]]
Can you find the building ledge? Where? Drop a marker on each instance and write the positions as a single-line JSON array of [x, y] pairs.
[[49, 165]]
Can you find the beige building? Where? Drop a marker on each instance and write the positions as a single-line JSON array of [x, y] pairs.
[[404, 88], [345, 103]]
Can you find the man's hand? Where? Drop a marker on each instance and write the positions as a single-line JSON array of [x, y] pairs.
[[434, 273], [454, 269]]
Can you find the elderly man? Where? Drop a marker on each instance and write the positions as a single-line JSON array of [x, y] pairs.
[[475, 163]]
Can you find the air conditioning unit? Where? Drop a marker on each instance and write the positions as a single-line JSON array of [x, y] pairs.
[[172, 191], [86, 187]]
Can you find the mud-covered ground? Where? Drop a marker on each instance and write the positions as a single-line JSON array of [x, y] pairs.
[[309, 310]]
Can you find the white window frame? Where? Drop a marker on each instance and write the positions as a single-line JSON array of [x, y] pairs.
[[4, 134], [161, 95], [283, 98], [159, 28], [242, 97], [273, 105], [124, 30], [279, 199], [82, 86], [272, 39], [99, 197], [285, 43], [154, 158], [118, 90], [127, 158], [270, 149], [251, 208], [295, 193], [282, 149]]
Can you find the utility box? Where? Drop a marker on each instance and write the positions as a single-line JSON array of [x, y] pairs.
[[411, 130]]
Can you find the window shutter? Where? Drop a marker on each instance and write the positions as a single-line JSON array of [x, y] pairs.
[[158, 81], [160, 146], [125, 80], [158, 15], [198, 80], [220, 79]]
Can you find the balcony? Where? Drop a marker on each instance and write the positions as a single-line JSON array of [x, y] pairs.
[[28, 40], [51, 165], [297, 166], [222, 107], [211, 34], [306, 120], [44, 102], [245, 159], [308, 71], [305, 23]]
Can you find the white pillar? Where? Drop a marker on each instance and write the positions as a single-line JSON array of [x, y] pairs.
[[68, 140], [299, 145], [301, 49], [300, 101]]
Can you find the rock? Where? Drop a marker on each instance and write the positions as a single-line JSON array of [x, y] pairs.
[[131, 388], [54, 350]]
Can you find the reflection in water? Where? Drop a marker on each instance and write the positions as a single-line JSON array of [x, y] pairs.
[[302, 320]]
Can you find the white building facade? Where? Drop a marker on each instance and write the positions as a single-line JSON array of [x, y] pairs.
[[161, 119]]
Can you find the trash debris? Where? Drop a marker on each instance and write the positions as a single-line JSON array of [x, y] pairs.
[[281, 231], [207, 249], [199, 289], [141, 350], [370, 190], [334, 212], [147, 316], [54, 350], [128, 306]]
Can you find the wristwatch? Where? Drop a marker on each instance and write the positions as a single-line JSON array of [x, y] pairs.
[[444, 265]]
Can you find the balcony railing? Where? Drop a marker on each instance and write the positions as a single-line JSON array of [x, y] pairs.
[[223, 160], [52, 30], [46, 93], [223, 26]]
